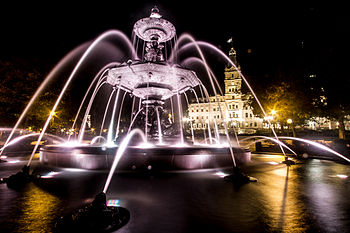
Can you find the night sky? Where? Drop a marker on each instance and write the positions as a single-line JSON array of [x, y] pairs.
[[273, 33]]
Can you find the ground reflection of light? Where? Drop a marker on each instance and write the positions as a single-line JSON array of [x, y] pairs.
[[280, 172], [271, 156], [14, 161], [3, 157], [342, 176], [273, 163], [221, 174], [74, 170], [50, 175], [36, 208], [113, 202]]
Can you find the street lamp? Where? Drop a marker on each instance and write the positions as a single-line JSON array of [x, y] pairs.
[[289, 122], [52, 114]]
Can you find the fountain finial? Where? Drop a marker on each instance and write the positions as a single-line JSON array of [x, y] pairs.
[[155, 13]]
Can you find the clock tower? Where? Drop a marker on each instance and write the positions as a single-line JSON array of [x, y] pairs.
[[233, 80]]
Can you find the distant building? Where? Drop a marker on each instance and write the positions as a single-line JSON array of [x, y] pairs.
[[237, 112]]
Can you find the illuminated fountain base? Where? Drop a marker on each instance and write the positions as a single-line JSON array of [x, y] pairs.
[[157, 158]]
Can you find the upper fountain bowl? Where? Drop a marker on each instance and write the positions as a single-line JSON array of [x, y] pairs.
[[154, 28]]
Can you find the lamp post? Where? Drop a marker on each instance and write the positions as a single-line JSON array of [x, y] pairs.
[[289, 122], [53, 114]]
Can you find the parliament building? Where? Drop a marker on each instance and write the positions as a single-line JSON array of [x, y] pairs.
[[235, 106]]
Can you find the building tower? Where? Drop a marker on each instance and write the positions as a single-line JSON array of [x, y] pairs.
[[236, 105], [233, 80]]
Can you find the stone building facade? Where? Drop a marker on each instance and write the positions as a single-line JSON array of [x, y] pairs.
[[235, 105]]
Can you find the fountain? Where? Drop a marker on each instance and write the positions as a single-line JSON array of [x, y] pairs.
[[156, 88]]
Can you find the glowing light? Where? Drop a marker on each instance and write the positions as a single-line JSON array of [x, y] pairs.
[[342, 176], [3, 157], [220, 145], [109, 144], [180, 145], [273, 163], [17, 139], [273, 111], [74, 170], [289, 121], [113, 202], [221, 174], [50, 175], [72, 144], [14, 161], [53, 114], [145, 145]]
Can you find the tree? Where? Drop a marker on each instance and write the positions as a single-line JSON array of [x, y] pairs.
[[287, 103], [19, 81]]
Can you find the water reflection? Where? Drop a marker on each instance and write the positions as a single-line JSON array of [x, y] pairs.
[[38, 210], [328, 195], [307, 197]]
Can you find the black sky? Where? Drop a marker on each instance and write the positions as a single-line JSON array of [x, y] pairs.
[[273, 31]]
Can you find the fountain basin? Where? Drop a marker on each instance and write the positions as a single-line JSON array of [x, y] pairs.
[[158, 158]]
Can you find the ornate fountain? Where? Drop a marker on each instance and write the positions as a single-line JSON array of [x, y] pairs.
[[157, 88]]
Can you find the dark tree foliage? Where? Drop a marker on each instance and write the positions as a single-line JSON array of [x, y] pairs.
[[19, 81]]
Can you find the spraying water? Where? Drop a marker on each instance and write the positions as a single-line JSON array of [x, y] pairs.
[[82, 59], [120, 152], [42, 86], [213, 48], [318, 145], [263, 138]]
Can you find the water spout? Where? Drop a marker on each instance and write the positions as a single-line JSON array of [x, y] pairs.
[[120, 152], [72, 75], [42, 86]]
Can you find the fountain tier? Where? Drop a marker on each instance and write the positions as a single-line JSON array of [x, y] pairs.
[[148, 79], [158, 89], [158, 158]]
